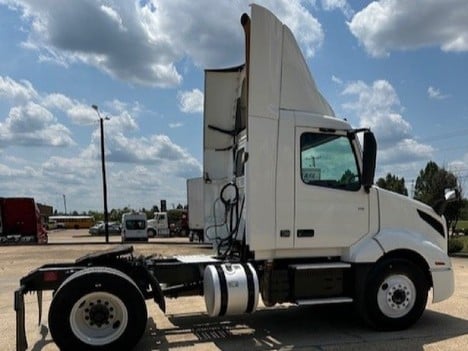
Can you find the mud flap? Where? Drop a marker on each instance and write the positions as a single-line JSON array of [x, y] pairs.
[[157, 292], [21, 342], [39, 305]]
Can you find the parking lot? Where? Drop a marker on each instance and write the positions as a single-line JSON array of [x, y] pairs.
[[186, 326]]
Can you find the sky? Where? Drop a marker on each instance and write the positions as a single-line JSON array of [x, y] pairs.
[[399, 67]]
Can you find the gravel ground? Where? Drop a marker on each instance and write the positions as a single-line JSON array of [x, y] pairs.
[[444, 326]]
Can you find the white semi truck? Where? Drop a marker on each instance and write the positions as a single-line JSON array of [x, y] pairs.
[[297, 218], [159, 225]]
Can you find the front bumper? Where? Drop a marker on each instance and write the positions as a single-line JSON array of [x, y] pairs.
[[443, 284]]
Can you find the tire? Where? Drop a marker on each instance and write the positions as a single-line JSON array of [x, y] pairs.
[[97, 309], [395, 296], [151, 233]]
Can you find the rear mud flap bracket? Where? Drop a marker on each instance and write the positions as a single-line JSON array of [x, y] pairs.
[[21, 341]]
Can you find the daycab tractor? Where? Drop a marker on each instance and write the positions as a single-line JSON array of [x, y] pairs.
[[296, 218]]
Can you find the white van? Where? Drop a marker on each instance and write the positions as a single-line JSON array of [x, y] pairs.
[[134, 227]]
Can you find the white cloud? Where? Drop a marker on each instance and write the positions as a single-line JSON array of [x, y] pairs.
[[459, 166], [33, 125], [71, 171], [388, 25], [7, 172], [81, 114], [191, 101], [58, 101], [378, 107], [405, 151], [113, 15], [156, 150], [435, 93], [138, 179], [336, 80], [16, 91], [175, 125], [78, 113], [342, 5], [143, 41]]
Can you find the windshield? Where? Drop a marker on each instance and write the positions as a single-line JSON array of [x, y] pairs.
[[135, 224]]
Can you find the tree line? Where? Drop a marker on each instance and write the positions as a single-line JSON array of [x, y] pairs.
[[115, 214], [430, 187]]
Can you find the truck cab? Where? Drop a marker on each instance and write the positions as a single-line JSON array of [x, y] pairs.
[[159, 225]]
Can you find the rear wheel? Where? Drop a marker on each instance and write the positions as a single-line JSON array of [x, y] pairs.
[[395, 296], [97, 309]]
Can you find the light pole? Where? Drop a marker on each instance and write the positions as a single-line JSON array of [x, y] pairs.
[[104, 184]]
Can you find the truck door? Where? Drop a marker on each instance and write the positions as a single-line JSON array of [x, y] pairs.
[[331, 206]]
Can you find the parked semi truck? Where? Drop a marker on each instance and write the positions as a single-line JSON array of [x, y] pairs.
[[159, 225], [196, 209], [298, 219], [20, 221]]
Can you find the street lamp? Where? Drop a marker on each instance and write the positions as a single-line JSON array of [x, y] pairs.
[[104, 184]]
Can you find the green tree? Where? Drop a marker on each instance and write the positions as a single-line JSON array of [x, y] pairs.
[[430, 188], [464, 210], [393, 183]]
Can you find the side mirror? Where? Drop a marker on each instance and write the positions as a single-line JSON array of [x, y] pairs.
[[441, 205], [369, 160], [451, 195]]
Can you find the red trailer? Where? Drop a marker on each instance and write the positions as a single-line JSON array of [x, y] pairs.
[[20, 221]]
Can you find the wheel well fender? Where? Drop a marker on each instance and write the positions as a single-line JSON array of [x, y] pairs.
[[98, 269], [141, 276], [411, 256], [364, 251], [133, 276], [362, 271], [415, 242]]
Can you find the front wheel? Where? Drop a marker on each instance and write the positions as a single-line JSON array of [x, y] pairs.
[[97, 309], [395, 296]]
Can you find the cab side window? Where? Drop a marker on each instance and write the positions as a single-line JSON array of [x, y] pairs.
[[328, 160]]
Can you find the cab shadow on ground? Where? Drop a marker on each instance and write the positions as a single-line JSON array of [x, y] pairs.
[[305, 328]]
